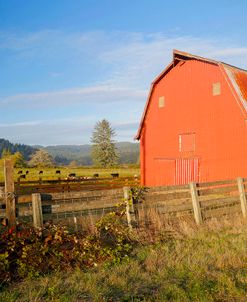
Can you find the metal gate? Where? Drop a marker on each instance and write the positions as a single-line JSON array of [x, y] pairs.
[[186, 170]]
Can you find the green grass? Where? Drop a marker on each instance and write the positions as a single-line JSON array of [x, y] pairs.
[[201, 266], [50, 173]]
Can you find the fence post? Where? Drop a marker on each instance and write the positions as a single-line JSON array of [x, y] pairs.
[[195, 203], [37, 210], [242, 196], [127, 203], [9, 192], [130, 212], [75, 222]]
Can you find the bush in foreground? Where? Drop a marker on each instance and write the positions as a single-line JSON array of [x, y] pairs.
[[29, 252], [208, 263], [204, 266]]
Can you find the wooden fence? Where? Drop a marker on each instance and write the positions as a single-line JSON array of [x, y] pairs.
[[70, 185], [200, 202], [144, 206], [72, 208]]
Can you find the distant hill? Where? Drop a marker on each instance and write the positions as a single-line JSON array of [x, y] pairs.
[[64, 154], [26, 150]]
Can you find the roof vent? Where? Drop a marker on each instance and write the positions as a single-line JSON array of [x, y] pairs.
[[161, 101], [216, 89]]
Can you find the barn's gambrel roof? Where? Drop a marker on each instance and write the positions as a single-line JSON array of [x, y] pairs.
[[235, 77]]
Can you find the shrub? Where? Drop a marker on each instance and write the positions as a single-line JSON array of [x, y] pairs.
[[29, 252], [114, 236]]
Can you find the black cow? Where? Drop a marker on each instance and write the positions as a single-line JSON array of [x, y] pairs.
[[115, 175], [27, 172], [20, 172], [96, 175], [40, 172], [58, 172], [72, 175], [22, 176]]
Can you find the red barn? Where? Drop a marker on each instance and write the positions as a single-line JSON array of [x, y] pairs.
[[194, 126]]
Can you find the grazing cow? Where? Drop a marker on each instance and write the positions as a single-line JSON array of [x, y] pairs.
[[72, 175], [27, 172], [40, 172], [20, 172], [115, 175], [96, 175], [22, 176], [58, 172]]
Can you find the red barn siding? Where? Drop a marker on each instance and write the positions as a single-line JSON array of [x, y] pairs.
[[217, 123]]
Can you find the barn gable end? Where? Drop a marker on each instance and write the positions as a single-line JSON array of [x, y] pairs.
[[236, 77], [192, 126]]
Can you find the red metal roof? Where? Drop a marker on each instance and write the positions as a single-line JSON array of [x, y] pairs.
[[238, 80], [236, 76], [241, 79]]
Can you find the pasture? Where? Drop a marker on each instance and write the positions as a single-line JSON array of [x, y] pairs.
[[50, 173], [188, 264]]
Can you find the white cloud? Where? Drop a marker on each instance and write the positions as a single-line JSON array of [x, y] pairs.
[[56, 74], [142, 58], [128, 63], [229, 52], [73, 130], [52, 122], [94, 94], [133, 60]]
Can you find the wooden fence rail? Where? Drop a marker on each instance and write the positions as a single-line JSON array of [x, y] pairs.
[[201, 201], [51, 186]]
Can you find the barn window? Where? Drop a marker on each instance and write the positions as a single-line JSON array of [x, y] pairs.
[[187, 142], [161, 101], [216, 88]]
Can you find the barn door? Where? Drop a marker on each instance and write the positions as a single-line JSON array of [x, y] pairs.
[[186, 170], [164, 172]]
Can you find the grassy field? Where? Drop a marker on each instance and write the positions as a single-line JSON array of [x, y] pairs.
[[50, 173], [198, 265]]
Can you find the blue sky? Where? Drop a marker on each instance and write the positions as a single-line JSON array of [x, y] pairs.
[[64, 64]]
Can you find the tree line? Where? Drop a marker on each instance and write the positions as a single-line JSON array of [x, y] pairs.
[[104, 152], [25, 150]]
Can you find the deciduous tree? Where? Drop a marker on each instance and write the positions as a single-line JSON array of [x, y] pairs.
[[41, 159], [18, 160], [73, 164]]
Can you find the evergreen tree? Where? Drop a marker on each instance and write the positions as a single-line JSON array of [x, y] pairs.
[[103, 152], [6, 154], [41, 159], [25, 150]]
